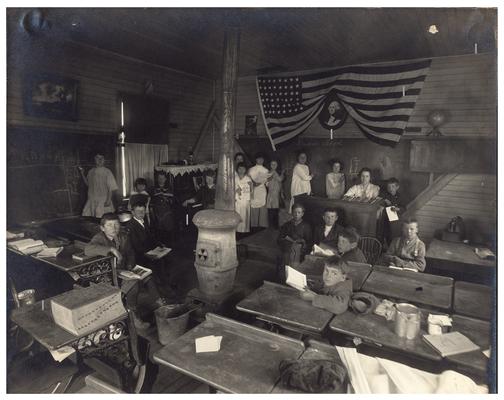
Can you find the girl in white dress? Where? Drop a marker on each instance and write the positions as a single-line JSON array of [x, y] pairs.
[[301, 178], [243, 188], [258, 211], [365, 191], [335, 181]]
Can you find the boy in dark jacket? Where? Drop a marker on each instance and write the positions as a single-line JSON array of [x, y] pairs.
[[334, 292]]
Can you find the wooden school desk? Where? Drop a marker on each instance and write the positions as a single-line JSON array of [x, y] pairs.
[[113, 344], [416, 287], [282, 305], [247, 361], [459, 261], [94, 269], [474, 362], [375, 330]]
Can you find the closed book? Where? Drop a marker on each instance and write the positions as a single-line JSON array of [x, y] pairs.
[[449, 344], [82, 311], [81, 257]]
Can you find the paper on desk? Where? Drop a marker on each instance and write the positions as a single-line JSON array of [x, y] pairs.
[[486, 352], [62, 353], [391, 214], [442, 320], [295, 278], [208, 344]]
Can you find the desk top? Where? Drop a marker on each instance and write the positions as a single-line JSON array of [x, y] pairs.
[[40, 324], [282, 304], [377, 330], [416, 287], [455, 252], [479, 332], [247, 361], [64, 260]]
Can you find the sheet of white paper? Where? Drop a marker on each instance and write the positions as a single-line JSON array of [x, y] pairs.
[[391, 214], [317, 250], [208, 344], [62, 353], [486, 352], [295, 278]]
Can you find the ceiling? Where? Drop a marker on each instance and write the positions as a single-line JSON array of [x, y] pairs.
[[272, 40]]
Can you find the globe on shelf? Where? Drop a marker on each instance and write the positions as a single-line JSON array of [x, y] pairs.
[[435, 119]]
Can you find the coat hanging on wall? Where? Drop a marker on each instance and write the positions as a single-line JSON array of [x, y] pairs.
[[379, 98]]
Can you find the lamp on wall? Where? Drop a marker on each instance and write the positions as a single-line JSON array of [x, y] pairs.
[[436, 119]]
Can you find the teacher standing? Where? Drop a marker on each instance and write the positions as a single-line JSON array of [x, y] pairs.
[[101, 185], [301, 178]]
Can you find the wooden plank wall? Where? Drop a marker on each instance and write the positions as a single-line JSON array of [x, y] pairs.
[[471, 196], [102, 75], [464, 86]]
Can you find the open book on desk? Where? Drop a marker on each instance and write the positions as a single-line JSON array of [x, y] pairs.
[[138, 272], [295, 279], [484, 253]]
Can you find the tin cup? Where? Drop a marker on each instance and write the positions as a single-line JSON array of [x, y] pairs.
[[407, 321], [26, 297]]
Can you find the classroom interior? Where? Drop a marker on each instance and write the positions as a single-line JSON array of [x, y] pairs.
[[312, 195]]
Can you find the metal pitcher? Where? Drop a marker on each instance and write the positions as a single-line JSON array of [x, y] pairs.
[[407, 321]]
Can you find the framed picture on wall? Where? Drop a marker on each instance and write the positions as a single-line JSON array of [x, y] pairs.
[[51, 96]]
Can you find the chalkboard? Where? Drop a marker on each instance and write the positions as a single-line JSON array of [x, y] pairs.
[[43, 181], [444, 155]]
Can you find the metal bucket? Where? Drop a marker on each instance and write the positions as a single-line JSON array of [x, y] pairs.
[[26, 297], [171, 321], [407, 321]]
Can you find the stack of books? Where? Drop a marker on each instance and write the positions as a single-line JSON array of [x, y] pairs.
[[27, 246]]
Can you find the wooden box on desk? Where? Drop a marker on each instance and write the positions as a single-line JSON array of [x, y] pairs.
[[82, 311]]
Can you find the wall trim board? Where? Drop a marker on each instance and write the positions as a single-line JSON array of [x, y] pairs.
[[118, 55], [438, 58], [428, 193]]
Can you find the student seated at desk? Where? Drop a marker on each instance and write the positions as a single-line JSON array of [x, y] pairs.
[[111, 240], [295, 233], [407, 251], [334, 292], [206, 193], [328, 232], [140, 194], [348, 240]]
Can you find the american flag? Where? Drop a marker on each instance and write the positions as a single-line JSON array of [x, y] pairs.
[[380, 98]]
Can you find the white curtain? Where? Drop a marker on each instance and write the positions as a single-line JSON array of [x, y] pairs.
[[140, 159]]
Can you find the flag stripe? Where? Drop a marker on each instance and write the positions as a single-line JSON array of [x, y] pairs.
[[380, 98]]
